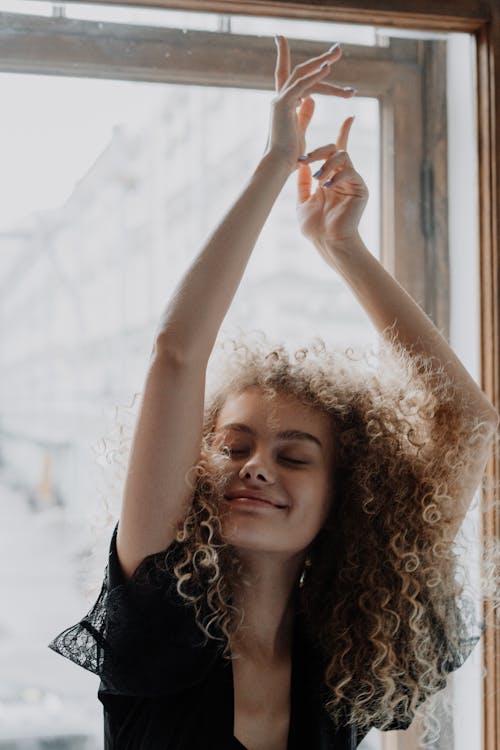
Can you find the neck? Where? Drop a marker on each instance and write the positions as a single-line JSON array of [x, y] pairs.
[[267, 598]]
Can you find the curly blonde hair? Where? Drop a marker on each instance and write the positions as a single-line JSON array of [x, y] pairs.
[[384, 587]]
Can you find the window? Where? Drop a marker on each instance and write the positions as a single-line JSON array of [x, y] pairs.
[[149, 132]]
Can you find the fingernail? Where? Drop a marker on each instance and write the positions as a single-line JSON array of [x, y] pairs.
[[319, 172], [325, 65], [334, 47], [302, 158], [328, 183], [350, 89]]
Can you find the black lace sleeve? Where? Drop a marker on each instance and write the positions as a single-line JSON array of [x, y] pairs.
[[140, 636], [461, 619]]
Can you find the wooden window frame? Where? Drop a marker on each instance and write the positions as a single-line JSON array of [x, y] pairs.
[[480, 18], [406, 77]]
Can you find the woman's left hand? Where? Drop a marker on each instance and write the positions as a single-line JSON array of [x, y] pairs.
[[292, 107], [331, 214]]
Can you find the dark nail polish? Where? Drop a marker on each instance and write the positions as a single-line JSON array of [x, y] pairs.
[[319, 172]]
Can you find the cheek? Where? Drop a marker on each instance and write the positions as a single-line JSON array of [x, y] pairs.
[[316, 484], [311, 496], [324, 498]]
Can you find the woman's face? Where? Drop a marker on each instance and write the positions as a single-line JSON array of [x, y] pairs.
[[281, 451]]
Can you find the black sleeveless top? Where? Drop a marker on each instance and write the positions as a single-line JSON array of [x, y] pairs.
[[163, 688]]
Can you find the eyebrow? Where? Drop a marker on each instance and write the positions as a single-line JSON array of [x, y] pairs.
[[285, 435]]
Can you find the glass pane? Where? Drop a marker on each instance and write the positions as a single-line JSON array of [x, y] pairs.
[[259, 26], [109, 189]]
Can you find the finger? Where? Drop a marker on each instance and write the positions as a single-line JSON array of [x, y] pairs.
[[305, 113], [340, 160], [344, 175], [344, 131], [330, 56], [282, 70], [283, 62], [349, 176], [323, 152], [302, 86], [346, 92], [304, 182]]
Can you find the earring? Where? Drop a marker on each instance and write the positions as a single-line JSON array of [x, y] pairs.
[[307, 564]]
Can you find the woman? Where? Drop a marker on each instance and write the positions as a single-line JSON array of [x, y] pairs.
[[282, 574]]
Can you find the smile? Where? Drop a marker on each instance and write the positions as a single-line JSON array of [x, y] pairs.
[[252, 502]]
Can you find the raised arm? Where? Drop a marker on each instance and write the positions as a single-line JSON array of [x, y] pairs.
[[329, 217], [167, 437]]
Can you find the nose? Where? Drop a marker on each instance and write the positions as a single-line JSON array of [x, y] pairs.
[[257, 468]]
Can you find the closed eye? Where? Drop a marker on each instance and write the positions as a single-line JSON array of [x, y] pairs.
[[232, 452]]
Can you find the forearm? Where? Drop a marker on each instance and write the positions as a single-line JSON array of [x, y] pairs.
[[194, 314], [389, 305]]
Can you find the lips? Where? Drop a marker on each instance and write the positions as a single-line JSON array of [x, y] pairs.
[[254, 496]]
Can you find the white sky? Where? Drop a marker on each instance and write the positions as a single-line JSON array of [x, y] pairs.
[[53, 128]]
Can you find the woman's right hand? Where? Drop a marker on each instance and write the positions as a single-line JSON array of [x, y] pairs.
[[288, 127]]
